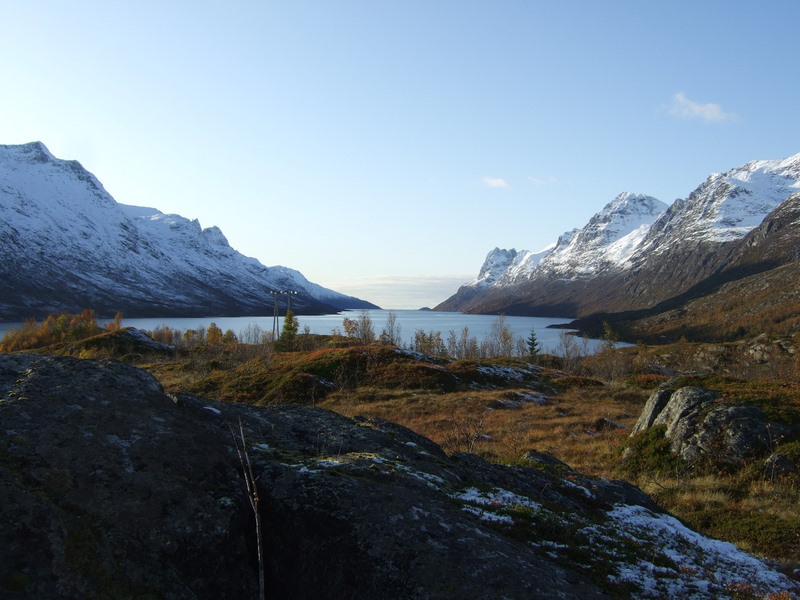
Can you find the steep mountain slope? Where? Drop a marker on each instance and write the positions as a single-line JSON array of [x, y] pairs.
[[66, 244], [735, 225]]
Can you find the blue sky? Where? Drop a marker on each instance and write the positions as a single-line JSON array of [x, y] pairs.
[[383, 148]]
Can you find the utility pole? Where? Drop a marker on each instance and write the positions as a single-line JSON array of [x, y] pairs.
[[289, 293]]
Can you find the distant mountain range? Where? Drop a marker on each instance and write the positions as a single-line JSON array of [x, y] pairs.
[[67, 245], [655, 269]]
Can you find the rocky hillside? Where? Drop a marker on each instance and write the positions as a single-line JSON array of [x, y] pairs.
[[67, 245], [736, 224], [111, 489]]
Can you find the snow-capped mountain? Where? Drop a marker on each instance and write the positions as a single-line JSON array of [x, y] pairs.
[[637, 251], [66, 244], [607, 241], [726, 206]]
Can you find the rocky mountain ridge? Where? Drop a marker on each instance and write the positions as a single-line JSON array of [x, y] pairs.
[[661, 262], [66, 245]]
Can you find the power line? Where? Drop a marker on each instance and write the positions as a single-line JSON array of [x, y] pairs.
[[276, 294]]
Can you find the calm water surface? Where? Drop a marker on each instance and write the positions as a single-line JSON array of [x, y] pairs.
[[409, 321]]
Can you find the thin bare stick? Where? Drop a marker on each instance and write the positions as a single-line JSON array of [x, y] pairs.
[[252, 495]]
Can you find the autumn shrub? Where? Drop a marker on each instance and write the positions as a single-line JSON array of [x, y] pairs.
[[55, 329], [575, 381], [299, 387], [790, 450], [610, 364], [760, 532], [249, 382], [166, 335], [466, 434], [649, 453], [345, 367], [120, 344], [414, 375]]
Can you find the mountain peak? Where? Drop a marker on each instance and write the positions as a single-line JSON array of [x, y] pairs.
[[623, 215], [788, 167], [632, 202], [495, 264], [607, 240], [32, 152]]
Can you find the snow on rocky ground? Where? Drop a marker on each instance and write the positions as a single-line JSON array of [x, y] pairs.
[[707, 568], [652, 554], [640, 553]]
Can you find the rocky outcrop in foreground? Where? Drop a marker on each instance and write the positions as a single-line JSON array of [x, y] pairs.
[[111, 489]]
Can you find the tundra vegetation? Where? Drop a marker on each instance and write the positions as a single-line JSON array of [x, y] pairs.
[[501, 398]]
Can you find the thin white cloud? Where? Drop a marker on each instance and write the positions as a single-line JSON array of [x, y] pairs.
[[549, 180], [496, 182], [683, 107]]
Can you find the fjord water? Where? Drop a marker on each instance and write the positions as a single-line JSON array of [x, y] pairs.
[[409, 321]]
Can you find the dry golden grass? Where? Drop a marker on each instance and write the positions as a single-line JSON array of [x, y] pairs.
[[758, 515], [576, 426]]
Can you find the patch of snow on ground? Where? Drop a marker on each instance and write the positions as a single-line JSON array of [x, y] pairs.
[[502, 372], [432, 481], [569, 481], [707, 566], [496, 501], [485, 515], [329, 462]]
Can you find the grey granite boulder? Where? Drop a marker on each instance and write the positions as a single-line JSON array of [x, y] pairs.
[[699, 424]]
